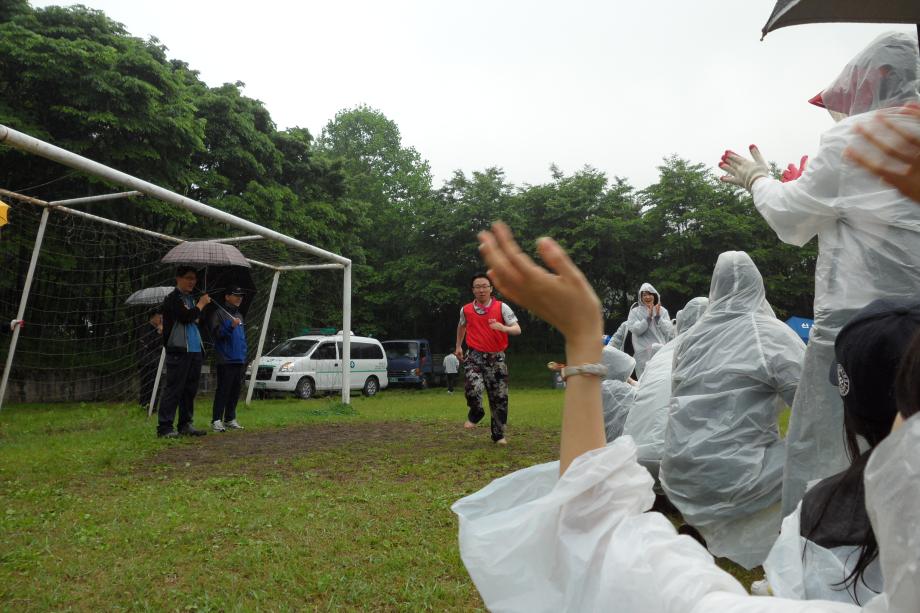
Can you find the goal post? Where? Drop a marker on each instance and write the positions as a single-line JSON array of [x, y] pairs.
[[147, 242]]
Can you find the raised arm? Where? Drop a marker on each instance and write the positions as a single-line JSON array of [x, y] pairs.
[[566, 301]]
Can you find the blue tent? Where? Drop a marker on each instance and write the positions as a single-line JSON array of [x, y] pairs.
[[801, 326]]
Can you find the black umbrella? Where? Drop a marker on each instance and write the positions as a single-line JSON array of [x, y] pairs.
[[224, 278], [797, 12]]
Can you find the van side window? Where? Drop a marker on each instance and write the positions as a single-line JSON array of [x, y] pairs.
[[364, 351], [326, 351]]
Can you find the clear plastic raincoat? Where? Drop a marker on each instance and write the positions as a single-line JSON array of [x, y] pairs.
[[798, 567], [868, 237], [649, 333], [533, 541], [733, 372], [617, 395], [649, 414], [893, 500], [618, 340]]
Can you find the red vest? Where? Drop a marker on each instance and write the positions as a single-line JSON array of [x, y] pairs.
[[479, 335]]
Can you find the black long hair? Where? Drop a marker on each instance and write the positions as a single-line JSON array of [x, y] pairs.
[[873, 432], [907, 384], [848, 485]]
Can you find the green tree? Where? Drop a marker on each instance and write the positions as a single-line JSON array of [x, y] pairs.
[[74, 77]]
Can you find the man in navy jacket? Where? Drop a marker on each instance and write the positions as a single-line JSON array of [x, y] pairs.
[[229, 334], [184, 353]]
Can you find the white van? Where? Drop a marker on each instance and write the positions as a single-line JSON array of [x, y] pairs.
[[305, 365]]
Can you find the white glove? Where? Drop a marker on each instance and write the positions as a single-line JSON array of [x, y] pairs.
[[743, 172]]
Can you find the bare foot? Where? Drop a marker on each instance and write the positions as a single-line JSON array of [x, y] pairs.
[[502, 441], [468, 425]]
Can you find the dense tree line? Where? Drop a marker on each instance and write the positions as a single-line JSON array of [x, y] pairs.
[[75, 78]]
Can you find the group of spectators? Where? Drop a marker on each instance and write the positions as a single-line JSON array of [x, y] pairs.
[[833, 510], [176, 326]]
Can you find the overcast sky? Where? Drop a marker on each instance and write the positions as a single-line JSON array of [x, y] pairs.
[[522, 84]]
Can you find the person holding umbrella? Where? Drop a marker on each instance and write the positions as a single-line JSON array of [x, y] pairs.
[[225, 322], [184, 353]]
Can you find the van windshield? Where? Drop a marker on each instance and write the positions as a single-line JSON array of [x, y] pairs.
[[294, 348], [401, 349]]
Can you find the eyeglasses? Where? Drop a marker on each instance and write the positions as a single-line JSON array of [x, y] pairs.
[[482, 287]]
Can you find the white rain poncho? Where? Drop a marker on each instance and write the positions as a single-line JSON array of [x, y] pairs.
[[892, 481], [798, 567], [533, 541], [733, 373], [649, 334], [617, 396], [536, 542], [649, 414], [618, 340], [868, 236]]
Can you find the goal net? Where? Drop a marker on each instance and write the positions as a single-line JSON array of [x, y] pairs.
[[81, 340]]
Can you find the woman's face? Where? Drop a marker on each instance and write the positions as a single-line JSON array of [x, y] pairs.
[[648, 298]]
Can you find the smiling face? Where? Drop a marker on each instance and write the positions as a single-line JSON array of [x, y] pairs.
[[648, 298], [482, 289]]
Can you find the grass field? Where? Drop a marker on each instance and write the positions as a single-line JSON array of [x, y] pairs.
[[314, 506]]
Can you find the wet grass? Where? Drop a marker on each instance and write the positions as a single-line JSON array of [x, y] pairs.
[[314, 506]]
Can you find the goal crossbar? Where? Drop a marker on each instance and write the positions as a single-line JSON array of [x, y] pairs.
[[139, 187]]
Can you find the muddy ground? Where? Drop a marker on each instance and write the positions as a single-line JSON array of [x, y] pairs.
[[293, 450]]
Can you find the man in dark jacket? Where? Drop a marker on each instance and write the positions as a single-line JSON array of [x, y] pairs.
[[226, 325], [184, 351], [149, 346]]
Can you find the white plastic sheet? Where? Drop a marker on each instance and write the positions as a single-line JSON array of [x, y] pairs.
[[723, 459], [649, 333], [799, 568], [533, 542], [867, 245], [618, 339], [892, 481], [648, 416], [617, 396]]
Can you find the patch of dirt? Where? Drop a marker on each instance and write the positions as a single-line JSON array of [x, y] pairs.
[[268, 452]]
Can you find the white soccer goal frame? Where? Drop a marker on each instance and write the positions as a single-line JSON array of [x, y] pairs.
[[139, 187]]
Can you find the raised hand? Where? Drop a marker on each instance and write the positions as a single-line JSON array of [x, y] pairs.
[[741, 171], [792, 173], [892, 141]]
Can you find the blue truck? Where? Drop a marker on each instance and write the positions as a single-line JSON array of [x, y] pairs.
[[411, 363]]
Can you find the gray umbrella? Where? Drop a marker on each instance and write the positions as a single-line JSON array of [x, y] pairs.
[[204, 253], [149, 296], [796, 12]]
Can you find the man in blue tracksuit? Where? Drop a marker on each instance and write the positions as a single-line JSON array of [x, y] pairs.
[[229, 334]]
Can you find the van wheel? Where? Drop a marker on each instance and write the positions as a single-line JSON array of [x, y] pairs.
[[305, 389], [371, 386]]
